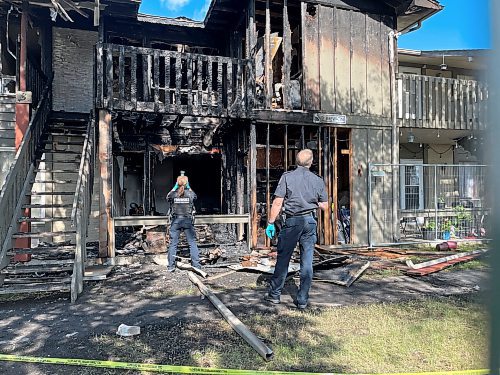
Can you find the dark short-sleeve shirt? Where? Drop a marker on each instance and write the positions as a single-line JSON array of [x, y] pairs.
[[302, 191]]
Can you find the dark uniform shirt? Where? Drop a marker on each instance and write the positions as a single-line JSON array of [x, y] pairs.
[[302, 190], [182, 206]]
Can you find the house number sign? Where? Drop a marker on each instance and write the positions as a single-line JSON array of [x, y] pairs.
[[325, 118]]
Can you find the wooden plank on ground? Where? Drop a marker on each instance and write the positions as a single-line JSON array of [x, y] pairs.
[[344, 276]]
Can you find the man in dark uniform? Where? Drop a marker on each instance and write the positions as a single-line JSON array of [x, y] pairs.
[[301, 193], [181, 199]]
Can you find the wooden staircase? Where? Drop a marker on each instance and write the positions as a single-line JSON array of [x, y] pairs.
[[42, 253]]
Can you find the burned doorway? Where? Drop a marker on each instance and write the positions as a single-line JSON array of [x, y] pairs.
[[277, 146], [204, 173]]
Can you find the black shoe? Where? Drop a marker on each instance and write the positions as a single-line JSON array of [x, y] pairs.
[[273, 300], [301, 306]]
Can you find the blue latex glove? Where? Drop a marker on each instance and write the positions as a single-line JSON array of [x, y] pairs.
[[176, 186], [270, 231]]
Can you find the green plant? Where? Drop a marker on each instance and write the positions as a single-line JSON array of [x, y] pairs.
[[446, 226], [430, 225], [462, 214]]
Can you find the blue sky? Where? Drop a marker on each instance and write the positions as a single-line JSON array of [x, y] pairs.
[[195, 9], [463, 24]]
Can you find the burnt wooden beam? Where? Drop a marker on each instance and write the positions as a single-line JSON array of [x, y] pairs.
[[268, 59], [287, 57], [252, 168]]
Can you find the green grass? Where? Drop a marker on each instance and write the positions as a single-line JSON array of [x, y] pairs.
[[425, 335]]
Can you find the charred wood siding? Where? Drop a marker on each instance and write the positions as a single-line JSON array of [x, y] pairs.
[[346, 61], [73, 65], [153, 80]]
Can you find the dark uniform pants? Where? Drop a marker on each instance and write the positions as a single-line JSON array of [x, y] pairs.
[[183, 224], [300, 229]]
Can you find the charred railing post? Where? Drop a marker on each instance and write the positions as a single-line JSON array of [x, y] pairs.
[[193, 84], [252, 167]]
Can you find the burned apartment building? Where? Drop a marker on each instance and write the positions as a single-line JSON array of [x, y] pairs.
[[106, 106]]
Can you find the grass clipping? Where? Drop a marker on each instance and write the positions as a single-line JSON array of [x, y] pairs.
[[426, 335]]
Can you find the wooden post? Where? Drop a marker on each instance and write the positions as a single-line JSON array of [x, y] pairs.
[[287, 59], [268, 58], [22, 113], [252, 161], [268, 186], [106, 227]]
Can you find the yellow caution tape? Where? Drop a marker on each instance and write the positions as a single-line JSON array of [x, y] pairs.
[[191, 370]]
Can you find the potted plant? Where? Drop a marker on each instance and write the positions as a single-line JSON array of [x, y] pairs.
[[463, 220], [446, 229], [429, 230]]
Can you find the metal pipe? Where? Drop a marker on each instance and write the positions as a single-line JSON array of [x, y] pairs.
[[369, 219], [435, 204], [241, 329], [393, 35]]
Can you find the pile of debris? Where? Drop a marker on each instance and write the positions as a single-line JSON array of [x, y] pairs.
[[337, 269]]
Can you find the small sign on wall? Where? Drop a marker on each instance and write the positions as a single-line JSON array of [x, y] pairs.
[[325, 118], [23, 97]]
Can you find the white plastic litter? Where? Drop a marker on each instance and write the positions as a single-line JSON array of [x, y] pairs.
[[127, 331]]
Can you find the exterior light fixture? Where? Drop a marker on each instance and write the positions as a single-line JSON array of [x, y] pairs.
[[411, 137], [439, 134]]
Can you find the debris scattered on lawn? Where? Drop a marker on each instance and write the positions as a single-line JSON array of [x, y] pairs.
[[188, 267], [261, 348], [410, 264], [127, 331], [262, 268], [97, 273], [345, 275], [432, 267], [220, 275]]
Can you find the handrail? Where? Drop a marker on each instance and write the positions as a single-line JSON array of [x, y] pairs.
[[81, 208], [16, 180]]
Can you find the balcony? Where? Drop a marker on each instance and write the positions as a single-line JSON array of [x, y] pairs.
[[171, 82], [441, 103]]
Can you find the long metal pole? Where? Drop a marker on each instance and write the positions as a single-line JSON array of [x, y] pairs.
[[241, 329], [494, 183], [435, 204], [369, 219]]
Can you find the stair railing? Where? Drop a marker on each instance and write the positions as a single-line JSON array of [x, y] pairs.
[[20, 172], [82, 203]]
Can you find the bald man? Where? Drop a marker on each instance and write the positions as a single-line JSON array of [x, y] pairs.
[[300, 193]]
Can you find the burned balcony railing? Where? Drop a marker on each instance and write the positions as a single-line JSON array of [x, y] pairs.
[[446, 103], [153, 80]]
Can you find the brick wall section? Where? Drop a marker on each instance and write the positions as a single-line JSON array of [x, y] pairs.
[[73, 66]]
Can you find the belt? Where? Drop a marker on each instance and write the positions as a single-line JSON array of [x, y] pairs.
[[288, 216]]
